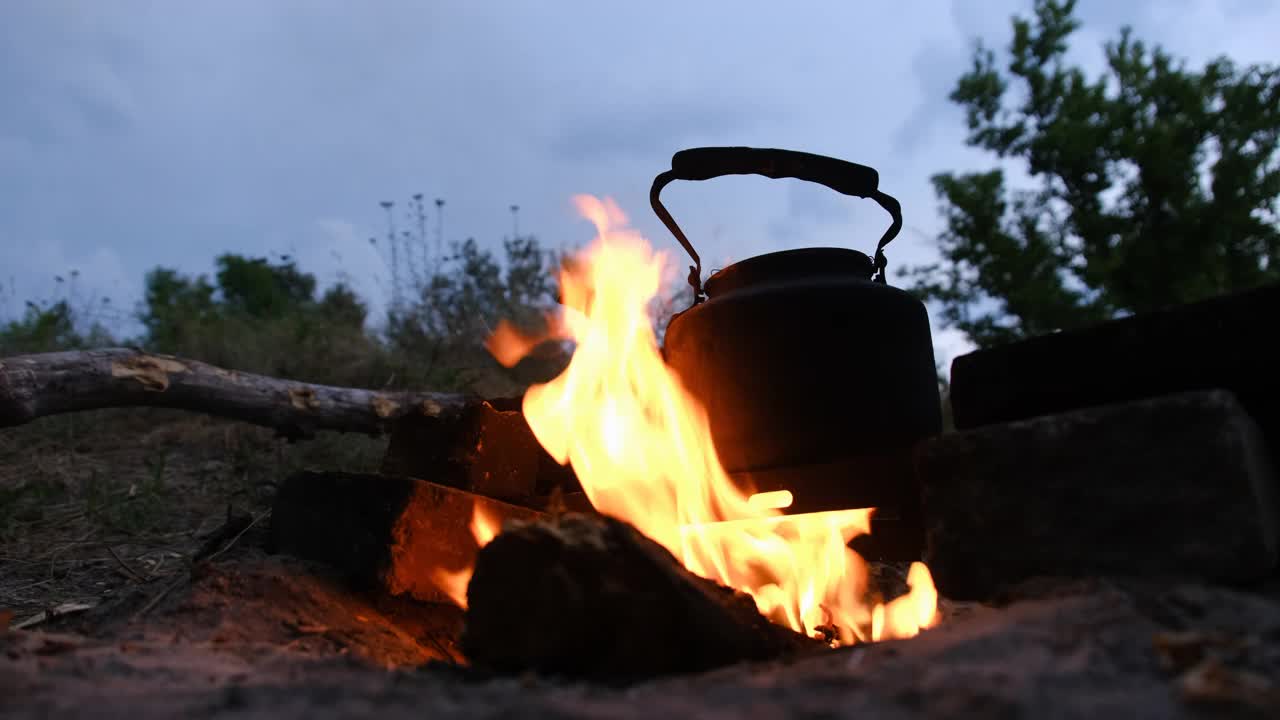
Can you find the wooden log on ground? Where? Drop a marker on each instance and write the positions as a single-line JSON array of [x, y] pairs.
[[591, 597], [1178, 486], [382, 531], [35, 386]]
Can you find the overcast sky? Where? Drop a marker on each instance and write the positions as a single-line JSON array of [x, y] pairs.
[[136, 134]]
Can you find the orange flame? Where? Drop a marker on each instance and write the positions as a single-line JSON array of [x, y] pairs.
[[453, 583], [641, 447], [484, 526]]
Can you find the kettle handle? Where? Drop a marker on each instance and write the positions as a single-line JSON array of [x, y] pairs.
[[708, 162]]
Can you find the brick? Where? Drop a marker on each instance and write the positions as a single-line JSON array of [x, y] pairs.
[[382, 531], [1177, 486]]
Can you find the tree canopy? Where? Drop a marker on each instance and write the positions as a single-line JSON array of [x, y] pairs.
[[1153, 184]]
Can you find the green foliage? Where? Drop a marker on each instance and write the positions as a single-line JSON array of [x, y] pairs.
[[463, 301], [455, 308], [260, 316], [174, 307], [41, 329], [1156, 185], [266, 315], [257, 288], [46, 327]]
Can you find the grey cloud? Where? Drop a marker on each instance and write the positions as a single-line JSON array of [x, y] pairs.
[[643, 129], [1244, 9], [61, 78], [934, 68], [815, 203], [164, 133]]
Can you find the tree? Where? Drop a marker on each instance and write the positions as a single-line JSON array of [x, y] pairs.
[[1156, 185], [173, 306], [455, 309], [258, 288], [247, 289], [260, 316], [47, 327]]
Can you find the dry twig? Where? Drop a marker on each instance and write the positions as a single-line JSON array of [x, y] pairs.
[[127, 568]]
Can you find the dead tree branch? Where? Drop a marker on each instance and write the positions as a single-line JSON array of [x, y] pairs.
[[36, 386]]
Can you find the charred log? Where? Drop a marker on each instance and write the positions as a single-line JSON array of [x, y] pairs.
[[389, 533], [484, 449], [591, 597], [36, 386]]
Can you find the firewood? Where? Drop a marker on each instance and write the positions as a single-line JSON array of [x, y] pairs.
[[385, 532], [487, 449], [35, 386], [589, 596]]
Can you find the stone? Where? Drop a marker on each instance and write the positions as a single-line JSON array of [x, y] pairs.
[[1177, 486], [1214, 343]]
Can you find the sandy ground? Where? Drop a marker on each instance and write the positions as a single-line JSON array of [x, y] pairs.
[[257, 636], [147, 530]]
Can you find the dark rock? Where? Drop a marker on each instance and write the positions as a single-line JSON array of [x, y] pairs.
[[390, 532], [1175, 486], [1215, 343]]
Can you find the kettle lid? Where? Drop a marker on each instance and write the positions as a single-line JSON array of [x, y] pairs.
[[790, 265]]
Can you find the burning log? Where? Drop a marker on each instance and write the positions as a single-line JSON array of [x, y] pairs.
[[591, 597], [35, 386], [487, 448], [1178, 486], [400, 534]]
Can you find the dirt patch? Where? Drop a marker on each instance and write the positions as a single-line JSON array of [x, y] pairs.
[[261, 637], [93, 504], [255, 601], [127, 513]]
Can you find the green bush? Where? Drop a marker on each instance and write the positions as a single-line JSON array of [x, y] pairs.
[[264, 317], [47, 327], [267, 316]]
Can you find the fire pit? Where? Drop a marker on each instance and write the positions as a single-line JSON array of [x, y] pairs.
[[642, 447], [689, 566]]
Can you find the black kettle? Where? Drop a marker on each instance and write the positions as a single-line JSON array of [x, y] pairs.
[[818, 377]]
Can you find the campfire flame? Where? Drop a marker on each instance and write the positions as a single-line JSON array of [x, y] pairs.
[[453, 583], [641, 447]]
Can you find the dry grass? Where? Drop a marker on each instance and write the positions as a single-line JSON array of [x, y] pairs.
[[95, 502]]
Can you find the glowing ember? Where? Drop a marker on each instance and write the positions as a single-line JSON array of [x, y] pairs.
[[641, 446]]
